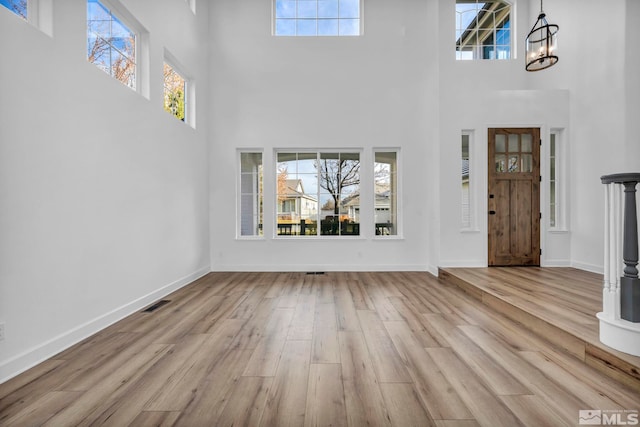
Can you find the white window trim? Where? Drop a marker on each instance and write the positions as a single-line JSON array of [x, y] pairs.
[[274, 211], [399, 216], [512, 35], [39, 14], [239, 235], [473, 184], [190, 88], [561, 158], [273, 24], [142, 44]]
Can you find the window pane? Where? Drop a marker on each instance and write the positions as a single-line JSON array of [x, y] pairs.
[[501, 163], [466, 217], [251, 194], [307, 9], [327, 8], [501, 146], [328, 27], [349, 27], [306, 27], [386, 188], [514, 145], [285, 9], [526, 143], [285, 27], [527, 163], [349, 8], [174, 92]]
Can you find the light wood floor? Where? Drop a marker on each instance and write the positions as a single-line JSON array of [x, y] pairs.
[[341, 349]]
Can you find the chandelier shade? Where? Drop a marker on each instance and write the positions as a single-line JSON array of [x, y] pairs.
[[542, 44]]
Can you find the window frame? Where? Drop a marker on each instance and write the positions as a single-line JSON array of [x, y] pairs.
[[318, 235], [397, 233], [189, 88], [275, 18], [478, 48], [559, 157], [141, 44], [260, 195]]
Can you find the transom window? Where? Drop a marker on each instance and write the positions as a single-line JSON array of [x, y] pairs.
[[317, 17], [483, 29], [19, 7], [111, 45], [318, 193]]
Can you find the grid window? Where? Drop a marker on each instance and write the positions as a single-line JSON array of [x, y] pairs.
[[111, 45], [483, 29], [251, 185], [318, 194], [386, 193], [175, 92], [317, 17], [19, 7]]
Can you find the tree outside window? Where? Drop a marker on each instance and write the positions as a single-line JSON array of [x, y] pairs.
[[174, 92]]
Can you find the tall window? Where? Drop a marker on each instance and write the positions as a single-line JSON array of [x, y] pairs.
[[317, 17], [19, 7], [111, 45], [175, 92], [386, 193], [464, 174], [251, 194], [483, 29], [553, 181], [318, 193]]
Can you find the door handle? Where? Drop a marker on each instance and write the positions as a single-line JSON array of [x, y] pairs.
[[492, 212]]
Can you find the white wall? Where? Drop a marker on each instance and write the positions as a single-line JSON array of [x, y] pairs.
[[584, 94], [378, 90], [103, 194]]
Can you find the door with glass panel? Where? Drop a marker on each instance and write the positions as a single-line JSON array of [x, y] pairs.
[[514, 196]]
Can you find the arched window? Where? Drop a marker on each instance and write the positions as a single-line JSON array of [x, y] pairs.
[[483, 29]]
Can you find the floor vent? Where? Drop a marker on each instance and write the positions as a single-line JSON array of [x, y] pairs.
[[156, 305], [315, 272]]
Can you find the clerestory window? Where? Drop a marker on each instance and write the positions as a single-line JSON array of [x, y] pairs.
[[483, 29], [317, 17], [111, 45]]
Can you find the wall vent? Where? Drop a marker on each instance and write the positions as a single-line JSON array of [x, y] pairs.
[[156, 305], [315, 272]]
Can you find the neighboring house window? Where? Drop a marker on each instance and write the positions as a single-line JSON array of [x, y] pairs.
[[19, 7], [483, 29], [466, 192], [175, 90], [111, 45], [385, 171], [317, 17], [251, 185], [318, 193]]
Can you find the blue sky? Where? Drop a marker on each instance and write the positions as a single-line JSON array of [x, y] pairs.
[[15, 6], [317, 17]]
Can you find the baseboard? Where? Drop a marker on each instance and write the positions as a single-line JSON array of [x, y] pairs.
[[555, 263], [588, 267], [463, 264], [319, 267], [30, 358]]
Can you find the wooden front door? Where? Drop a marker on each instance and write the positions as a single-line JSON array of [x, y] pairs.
[[514, 196]]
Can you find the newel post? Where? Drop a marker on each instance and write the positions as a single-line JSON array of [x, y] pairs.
[[629, 282]]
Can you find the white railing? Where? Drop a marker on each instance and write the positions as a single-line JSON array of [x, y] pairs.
[[620, 316]]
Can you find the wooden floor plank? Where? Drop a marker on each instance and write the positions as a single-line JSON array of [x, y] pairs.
[[287, 398], [246, 403], [266, 355], [404, 405], [325, 404]]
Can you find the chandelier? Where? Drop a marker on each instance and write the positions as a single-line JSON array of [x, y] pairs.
[[542, 44]]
